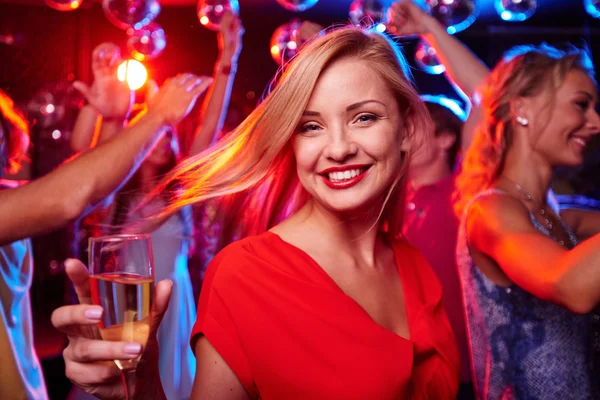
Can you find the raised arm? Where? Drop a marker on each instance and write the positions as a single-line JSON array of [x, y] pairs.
[[79, 185], [499, 226], [84, 129], [214, 109], [108, 99], [463, 68]]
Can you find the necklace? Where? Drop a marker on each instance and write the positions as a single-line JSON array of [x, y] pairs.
[[541, 208]]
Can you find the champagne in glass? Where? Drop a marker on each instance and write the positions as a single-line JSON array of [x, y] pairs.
[[122, 283]]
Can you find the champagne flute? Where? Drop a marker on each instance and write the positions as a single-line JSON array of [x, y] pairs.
[[122, 283]]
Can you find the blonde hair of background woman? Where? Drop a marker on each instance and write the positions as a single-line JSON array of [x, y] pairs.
[[18, 134], [525, 71], [253, 170]]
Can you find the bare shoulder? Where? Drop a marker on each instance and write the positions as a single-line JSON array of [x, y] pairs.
[[494, 215]]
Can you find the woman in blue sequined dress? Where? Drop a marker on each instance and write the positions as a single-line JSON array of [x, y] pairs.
[[529, 288]]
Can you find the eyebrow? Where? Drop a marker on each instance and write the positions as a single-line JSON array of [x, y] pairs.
[[351, 107], [588, 94]]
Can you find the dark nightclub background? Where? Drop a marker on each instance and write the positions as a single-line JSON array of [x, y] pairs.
[[50, 49]]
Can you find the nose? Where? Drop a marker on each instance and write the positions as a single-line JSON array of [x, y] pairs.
[[339, 147], [593, 122]]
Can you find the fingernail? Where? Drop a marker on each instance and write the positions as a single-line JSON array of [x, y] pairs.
[[132, 348], [93, 313]]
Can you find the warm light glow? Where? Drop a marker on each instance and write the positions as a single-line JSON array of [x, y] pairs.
[[138, 56], [275, 50], [75, 4], [204, 20], [136, 74]]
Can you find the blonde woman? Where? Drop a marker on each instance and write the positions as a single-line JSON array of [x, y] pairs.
[[325, 304], [528, 285]]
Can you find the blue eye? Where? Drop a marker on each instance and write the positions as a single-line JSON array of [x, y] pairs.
[[309, 128], [367, 118]]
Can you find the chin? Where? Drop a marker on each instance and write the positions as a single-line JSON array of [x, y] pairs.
[[571, 161], [348, 203]]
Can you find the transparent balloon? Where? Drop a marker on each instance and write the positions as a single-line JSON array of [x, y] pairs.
[[55, 105], [210, 12], [297, 5], [45, 109], [515, 10], [456, 15], [427, 60], [146, 43], [284, 42], [134, 14], [369, 12], [63, 5], [592, 7]]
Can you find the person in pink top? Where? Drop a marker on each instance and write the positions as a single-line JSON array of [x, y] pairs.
[[429, 221]]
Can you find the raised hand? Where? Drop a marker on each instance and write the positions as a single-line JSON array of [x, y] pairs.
[[230, 37], [109, 96], [88, 361], [407, 18], [177, 96]]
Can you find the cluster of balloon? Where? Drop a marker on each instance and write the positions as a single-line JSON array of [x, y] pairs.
[[515, 10], [592, 7], [63, 5], [146, 43], [427, 60], [368, 12], [284, 42], [210, 12], [297, 5], [456, 15], [125, 14]]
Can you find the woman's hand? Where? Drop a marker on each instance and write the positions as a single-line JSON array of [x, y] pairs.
[[230, 38], [108, 95], [89, 360], [177, 96], [406, 18]]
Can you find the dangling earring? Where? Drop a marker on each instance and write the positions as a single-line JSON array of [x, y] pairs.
[[522, 121]]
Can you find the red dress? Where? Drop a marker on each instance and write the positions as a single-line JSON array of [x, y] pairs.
[[289, 332]]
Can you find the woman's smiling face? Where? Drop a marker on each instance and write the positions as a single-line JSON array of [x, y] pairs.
[[348, 143]]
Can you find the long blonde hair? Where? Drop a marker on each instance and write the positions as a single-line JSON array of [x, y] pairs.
[[525, 71], [252, 170]]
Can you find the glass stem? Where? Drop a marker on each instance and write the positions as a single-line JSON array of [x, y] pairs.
[[128, 377]]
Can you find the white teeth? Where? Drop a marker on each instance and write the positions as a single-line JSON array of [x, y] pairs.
[[579, 141], [342, 176]]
